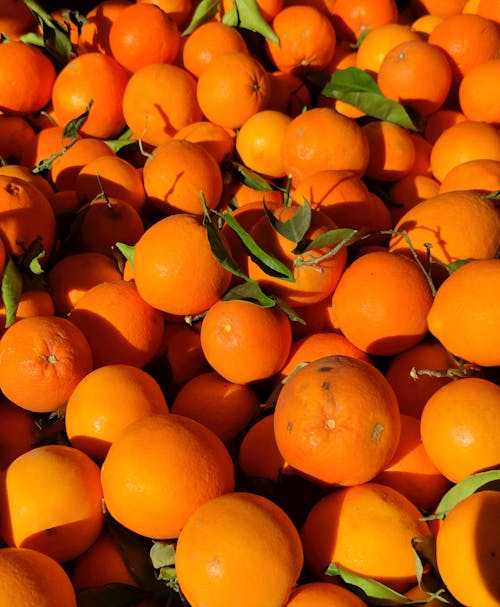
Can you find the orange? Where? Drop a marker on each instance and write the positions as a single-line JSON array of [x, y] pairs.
[[333, 407], [178, 173], [381, 303], [417, 74], [424, 24], [233, 87], [259, 141], [207, 41], [22, 172], [477, 90], [473, 336], [351, 19], [408, 191], [232, 334], [221, 405], [42, 360], [289, 93], [489, 9], [378, 42], [32, 302], [258, 455], [466, 140], [183, 354], [119, 325], [439, 121], [51, 502], [471, 573], [175, 269], [481, 175], [467, 41], [323, 594], [94, 35], [457, 225], [441, 8], [319, 344], [16, 19], [413, 392], [217, 140], [26, 78], [29, 578], [160, 99], [116, 176], [392, 151], [105, 401], [306, 40], [17, 139], [97, 77], [423, 149], [460, 427], [143, 34], [18, 432], [178, 10], [267, 8], [321, 138], [236, 533], [160, 470], [73, 275], [104, 222], [25, 216], [412, 472], [366, 529]]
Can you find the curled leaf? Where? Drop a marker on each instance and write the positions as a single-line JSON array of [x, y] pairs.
[[12, 287], [295, 228]]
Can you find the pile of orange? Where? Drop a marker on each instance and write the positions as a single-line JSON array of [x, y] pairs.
[[250, 303]]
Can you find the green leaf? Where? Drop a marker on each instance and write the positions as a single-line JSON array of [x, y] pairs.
[[32, 256], [295, 228], [376, 592], [127, 251], [252, 179], [455, 265], [72, 129], [252, 291], [355, 86], [337, 239], [110, 595], [463, 489], [249, 17], [125, 140], [12, 288], [205, 11], [55, 35], [289, 311], [162, 554], [495, 195]]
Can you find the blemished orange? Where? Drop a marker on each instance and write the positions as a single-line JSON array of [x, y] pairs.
[[471, 573], [221, 405], [73, 275], [217, 140], [207, 41], [178, 174], [94, 35], [321, 138], [24, 173], [42, 360], [238, 532], [307, 40], [143, 34], [323, 594], [160, 470], [439, 121], [413, 392], [367, 529], [259, 141], [416, 74], [16, 19], [232, 334], [473, 336], [381, 303], [333, 407], [29, 578], [233, 87], [26, 78], [159, 99], [105, 401], [351, 19], [481, 175], [460, 427], [258, 454], [117, 177], [167, 273], [392, 151], [96, 77], [412, 472], [457, 225], [408, 191], [314, 278], [32, 302], [17, 139], [119, 325], [477, 90], [56, 488], [319, 344], [378, 42], [183, 354], [18, 432], [466, 140], [25, 216]]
